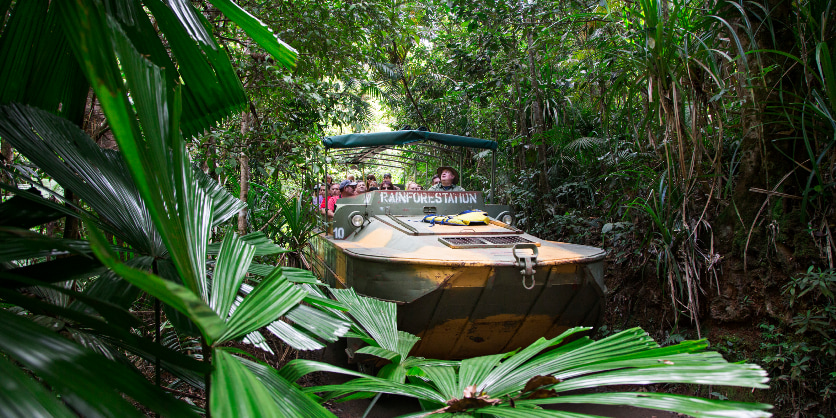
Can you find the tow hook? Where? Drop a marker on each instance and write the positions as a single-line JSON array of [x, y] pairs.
[[527, 262]]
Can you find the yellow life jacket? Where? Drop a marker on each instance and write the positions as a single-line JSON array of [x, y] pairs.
[[468, 217]]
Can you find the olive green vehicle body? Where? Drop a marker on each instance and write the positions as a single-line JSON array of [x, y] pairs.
[[459, 288]]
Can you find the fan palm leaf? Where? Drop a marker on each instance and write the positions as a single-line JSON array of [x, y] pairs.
[[517, 383]]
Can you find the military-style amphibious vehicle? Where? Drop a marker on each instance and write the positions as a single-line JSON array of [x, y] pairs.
[[466, 290]]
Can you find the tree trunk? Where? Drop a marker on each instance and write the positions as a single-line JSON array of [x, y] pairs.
[[244, 163], [537, 115], [244, 166]]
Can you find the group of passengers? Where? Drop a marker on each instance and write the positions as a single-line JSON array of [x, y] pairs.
[[445, 179]]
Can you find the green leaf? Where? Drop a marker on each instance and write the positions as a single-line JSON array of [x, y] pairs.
[[318, 323], [212, 90], [377, 352], [236, 392], [75, 267], [224, 204], [691, 406], [263, 246], [168, 292], [372, 384], [36, 65], [114, 314], [98, 176], [378, 318], [272, 298], [88, 382], [231, 267], [21, 396], [296, 369], [294, 337], [292, 401], [282, 52], [19, 212], [16, 244]]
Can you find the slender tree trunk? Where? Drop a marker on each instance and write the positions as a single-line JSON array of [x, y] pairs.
[[72, 228], [244, 163], [7, 159], [244, 166], [537, 114]]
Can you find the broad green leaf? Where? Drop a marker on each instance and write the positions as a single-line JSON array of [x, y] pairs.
[[272, 298], [175, 295], [230, 268], [372, 384], [510, 373], [237, 392], [745, 375], [474, 371], [114, 314], [21, 396], [691, 406], [318, 323], [16, 244], [292, 401], [19, 212], [263, 246], [296, 369], [36, 65], [76, 267], [212, 91], [282, 52], [445, 380], [377, 352], [378, 318], [294, 337], [508, 412], [88, 382], [98, 176], [224, 204], [117, 335], [151, 163]]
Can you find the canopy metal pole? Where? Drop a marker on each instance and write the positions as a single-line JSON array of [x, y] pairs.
[[327, 187], [461, 166], [493, 174]]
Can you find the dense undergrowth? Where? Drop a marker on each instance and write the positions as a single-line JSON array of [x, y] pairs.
[[776, 313]]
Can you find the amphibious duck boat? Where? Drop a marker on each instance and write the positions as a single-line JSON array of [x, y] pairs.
[[466, 290]]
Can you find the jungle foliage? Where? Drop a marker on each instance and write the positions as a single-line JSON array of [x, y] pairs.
[[684, 132]]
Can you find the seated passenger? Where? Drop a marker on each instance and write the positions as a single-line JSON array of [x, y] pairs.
[[449, 180], [346, 189], [388, 177], [387, 185], [413, 186], [373, 185], [334, 191], [436, 179], [360, 189]]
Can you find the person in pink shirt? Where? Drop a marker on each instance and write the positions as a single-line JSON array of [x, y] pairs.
[[333, 191]]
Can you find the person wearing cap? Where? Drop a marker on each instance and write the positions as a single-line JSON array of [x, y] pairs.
[[449, 180], [346, 190]]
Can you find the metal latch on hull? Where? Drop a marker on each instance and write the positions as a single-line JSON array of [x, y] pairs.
[[527, 262]]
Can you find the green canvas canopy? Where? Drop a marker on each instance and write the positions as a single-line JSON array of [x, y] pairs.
[[404, 137]]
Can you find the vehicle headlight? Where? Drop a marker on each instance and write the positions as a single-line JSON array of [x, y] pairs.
[[357, 220], [507, 219]]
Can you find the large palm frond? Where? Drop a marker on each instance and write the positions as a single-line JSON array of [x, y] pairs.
[[517, 383]]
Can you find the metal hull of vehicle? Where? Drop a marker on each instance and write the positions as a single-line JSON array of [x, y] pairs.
[[460, 288]]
